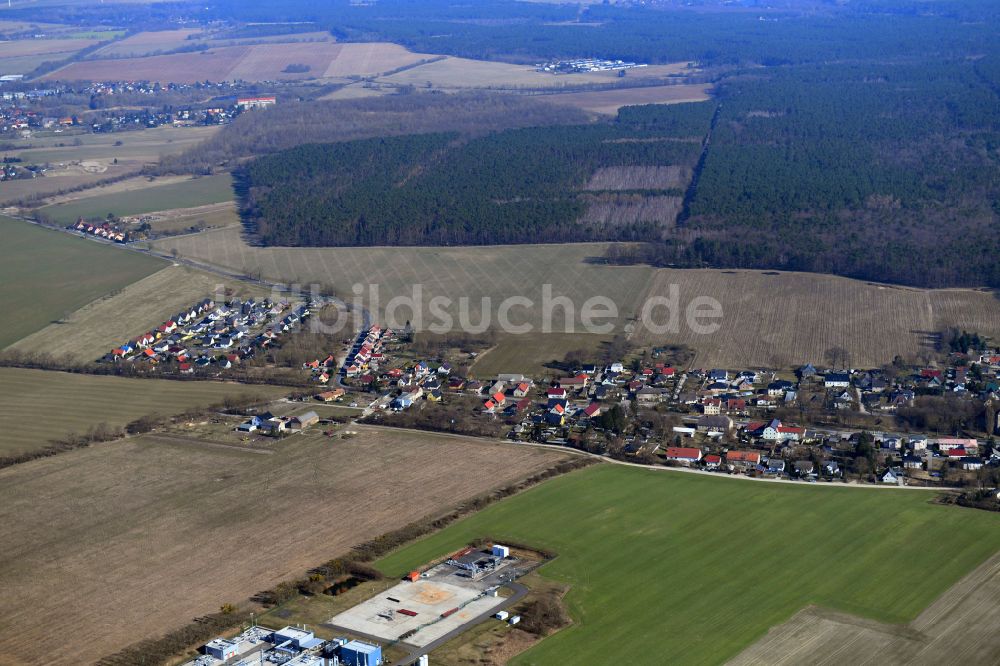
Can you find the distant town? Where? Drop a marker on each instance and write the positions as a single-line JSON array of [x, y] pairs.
[[587, 65], [32, 109]]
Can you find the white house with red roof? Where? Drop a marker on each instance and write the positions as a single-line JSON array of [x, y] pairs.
[[683, 454]]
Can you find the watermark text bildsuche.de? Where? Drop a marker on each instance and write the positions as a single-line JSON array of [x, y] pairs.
[[535, 310]]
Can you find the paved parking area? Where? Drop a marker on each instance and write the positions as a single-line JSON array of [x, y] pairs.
[[419, 606]]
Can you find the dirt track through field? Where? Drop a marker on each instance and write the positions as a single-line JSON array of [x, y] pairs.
[[123, 541], [959, 628]]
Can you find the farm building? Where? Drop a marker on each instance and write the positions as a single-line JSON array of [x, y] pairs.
[[250, 425], [303, 421]]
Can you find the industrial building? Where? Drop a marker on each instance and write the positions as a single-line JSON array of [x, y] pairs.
[[293, 639], [291, 646], [221, 648], [478, 562], [357, 653]]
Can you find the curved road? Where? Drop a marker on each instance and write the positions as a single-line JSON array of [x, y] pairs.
[[652, 468]]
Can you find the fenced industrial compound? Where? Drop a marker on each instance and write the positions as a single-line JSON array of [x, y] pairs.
[[430, 605]]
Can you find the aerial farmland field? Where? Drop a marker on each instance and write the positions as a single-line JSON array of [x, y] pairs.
[[770, 319], [255, 62], [774, 319], [29, 417], [127, 540], [492, 272], [532, 353], [185, 194], [53, 49], [608, 102], [88, 158], [144, 43], [678, 568], [92, 331], [46, 275]]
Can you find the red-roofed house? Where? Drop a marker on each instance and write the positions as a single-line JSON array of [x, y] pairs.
[[578, 381], [790, 432], [967, 443], [592, 410], [683, 454], [742, 459], [522, 404]]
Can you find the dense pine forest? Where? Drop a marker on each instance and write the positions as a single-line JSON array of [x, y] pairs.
[[881, 172], [514, 186]]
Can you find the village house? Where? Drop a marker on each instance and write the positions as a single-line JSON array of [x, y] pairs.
[[711, 406], [685, 455], [330, 396], [804, 468], [837, 380], [742, 459], [718, 424]]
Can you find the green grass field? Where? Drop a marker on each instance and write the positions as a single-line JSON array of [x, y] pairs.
[[93, 330], [186, 194], [143, 146], [97, 34], [39, 405], [45, 275], [675, 568], [529, 354]]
